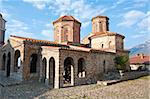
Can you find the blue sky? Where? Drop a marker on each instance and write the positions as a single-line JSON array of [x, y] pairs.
[[33, 18]]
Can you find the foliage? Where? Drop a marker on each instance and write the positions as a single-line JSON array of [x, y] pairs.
[[121, 62]]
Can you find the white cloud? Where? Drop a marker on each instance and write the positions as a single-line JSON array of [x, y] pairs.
[[85, 24], [40, 4], [5, 14], [145, 22], [80, 9], [48, 34], [18, 28], [117, 3], [138, 36], [131, 17], [139, 20]]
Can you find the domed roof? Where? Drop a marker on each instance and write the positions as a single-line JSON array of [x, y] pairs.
[[100, 17], [1, 15], [66, 18]]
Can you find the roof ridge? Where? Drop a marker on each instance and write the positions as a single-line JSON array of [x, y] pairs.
[[29, 39]]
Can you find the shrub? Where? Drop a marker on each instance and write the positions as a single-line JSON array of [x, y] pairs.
[[120, 62]]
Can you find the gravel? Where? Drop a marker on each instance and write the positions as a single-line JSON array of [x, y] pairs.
[[132, 89]]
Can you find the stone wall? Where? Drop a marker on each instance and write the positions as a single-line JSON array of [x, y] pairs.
[[48, 53], [67, 31], [11, 47], [94, 65], [104, 43]]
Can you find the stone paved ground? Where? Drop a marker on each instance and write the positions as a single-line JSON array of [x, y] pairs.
[[133, 89]]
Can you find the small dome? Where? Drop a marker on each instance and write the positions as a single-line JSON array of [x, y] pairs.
[[1, 15], [66, 18]]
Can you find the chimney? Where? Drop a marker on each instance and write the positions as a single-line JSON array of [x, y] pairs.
[[142, 56]]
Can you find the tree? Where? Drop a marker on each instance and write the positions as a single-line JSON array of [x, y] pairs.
[[121, 62]]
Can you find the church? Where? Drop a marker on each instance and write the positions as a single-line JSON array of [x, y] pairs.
[[66, 61]]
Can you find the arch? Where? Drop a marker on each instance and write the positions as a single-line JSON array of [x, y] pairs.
[[68, 74], [81, 67], [44, 65], [65, 32], [8, 64], [100, 27], [17, 60], [102, 45], [52, 71], [104, 66], [109, 44], [1, 23], [3, 61], [33, 63], [56, 33]]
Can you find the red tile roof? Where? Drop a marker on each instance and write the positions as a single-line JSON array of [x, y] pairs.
[[106, 34], [66, 18], [33, 40], [100, 17], [140, 59]]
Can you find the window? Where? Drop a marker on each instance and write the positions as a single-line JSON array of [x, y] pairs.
[[17, 61], [102, 46], [109, 44], [33, 63], [104, 67], [100, 27], [81, 68]]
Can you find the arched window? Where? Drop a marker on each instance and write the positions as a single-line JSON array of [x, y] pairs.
[[104, 66], [68, 71], [81, 67], [56, 31], [8, 63], [33, 63], [17, 60], [44, 65], [1, 23], [102, 45], [65, 33], [100, 27], [3, 62], [109, 44], [52, 71]]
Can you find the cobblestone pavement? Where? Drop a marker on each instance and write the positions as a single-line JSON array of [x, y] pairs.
[[132, 89]]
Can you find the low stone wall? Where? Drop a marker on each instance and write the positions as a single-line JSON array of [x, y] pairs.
[[134, 75], [126, 76]]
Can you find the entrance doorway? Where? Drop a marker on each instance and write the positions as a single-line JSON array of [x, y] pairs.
[[68, 75], [33, 63], [52, 71], [44, 65], [3, 62], [8, 64]]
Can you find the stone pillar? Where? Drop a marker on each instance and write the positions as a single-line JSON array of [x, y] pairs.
[[40, 68], [58, 75], [76, 78], [72, 75], [6, 65]]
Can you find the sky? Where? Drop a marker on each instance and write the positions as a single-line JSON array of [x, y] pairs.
[[33, 18]]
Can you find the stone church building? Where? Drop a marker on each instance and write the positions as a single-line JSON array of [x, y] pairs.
[[64, 61]]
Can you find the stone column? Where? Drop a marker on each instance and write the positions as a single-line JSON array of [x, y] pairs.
[[58, 75], [76, 78], [6, 65], [47, 74], [40, 68]]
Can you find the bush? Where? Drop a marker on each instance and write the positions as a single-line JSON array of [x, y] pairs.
[[120, 62]]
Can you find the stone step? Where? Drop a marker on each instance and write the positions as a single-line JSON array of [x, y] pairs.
[[109, 82]]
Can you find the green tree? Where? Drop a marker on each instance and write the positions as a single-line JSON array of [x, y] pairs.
[[121, 62]]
